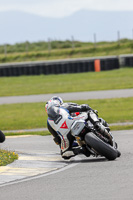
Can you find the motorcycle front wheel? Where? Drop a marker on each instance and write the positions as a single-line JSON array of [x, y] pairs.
[[2, 137], [101, 147]]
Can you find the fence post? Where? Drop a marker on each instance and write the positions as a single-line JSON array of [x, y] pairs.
[[26, 47], [95, 45], [5, 50], [118, 33], [49, 45], [73, 43]]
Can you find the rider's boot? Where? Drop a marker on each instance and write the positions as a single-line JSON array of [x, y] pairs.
[[81, 150]]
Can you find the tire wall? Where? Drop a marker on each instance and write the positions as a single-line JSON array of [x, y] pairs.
[[58, 67]]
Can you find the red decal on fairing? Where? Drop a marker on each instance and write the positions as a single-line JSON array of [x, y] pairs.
[[64, 125]]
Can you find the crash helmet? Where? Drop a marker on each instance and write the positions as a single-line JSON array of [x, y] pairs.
[[57, 101]]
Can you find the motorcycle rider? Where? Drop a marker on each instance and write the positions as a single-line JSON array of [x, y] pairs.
[[61, 115]]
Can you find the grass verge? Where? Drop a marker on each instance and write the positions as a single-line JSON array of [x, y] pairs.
[[63, 50], [48, 84], [7, 157], [125, 127]]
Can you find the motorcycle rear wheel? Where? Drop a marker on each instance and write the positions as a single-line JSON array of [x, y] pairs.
[[101, 147]]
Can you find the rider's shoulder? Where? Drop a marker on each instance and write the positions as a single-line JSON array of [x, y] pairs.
[[53, 109]]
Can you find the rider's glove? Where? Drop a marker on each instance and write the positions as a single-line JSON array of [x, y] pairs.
[[85, 107], [96, 112]]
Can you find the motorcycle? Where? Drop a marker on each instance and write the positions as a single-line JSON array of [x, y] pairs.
[[98, 143]]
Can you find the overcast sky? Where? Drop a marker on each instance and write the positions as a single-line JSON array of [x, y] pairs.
[[61, 8]]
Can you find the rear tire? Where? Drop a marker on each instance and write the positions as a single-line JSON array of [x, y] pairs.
[[101, 147]]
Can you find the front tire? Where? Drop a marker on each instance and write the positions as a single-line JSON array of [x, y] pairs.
[[101, 147], [2, 137]]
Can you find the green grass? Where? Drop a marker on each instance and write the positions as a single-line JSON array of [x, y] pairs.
[[22, 116], [7, 157], [63, 49], [89, 81], [33, 115], [125, 127]]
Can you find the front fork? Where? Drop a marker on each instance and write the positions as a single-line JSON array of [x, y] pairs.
[[94, 120], [93, 117]]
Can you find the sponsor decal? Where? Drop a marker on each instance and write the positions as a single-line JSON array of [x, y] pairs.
[[77, 126], [58, 119], [64, 125]]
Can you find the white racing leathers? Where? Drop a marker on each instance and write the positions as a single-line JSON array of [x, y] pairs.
[[61, 121]]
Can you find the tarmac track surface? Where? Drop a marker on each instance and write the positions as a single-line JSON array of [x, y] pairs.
[[86, 178], [69, 96]]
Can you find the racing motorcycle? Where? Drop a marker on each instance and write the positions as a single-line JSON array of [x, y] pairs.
[[97, 142]]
